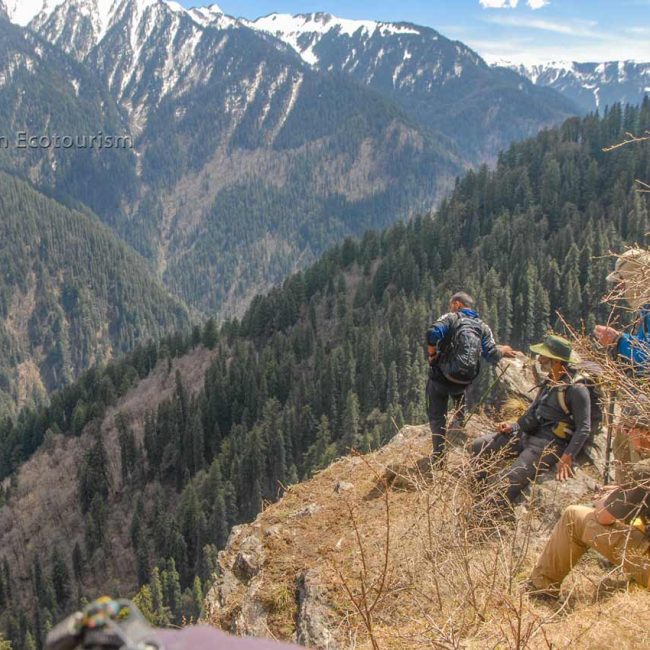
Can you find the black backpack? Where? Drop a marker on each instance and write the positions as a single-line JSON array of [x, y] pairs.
[[589, 376], [461, 359]]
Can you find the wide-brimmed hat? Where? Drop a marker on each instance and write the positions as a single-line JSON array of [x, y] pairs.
[[556, 347]]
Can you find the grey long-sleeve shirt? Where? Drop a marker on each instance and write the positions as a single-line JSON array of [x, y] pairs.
[[545, 413]]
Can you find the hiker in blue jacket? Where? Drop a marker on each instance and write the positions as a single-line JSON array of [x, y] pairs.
[[456, 342], [631, 278]]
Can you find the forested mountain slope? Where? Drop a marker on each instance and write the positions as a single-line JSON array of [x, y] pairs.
[[331, 360], [245, 151], [444, 85], [71, 295], [47, 96]]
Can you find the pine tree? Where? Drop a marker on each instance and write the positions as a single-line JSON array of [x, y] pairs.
[[572, 294], [351, 426], [60, 578], [210, 334], [197, 598], [128, 447], [172, 589], [161, 611]]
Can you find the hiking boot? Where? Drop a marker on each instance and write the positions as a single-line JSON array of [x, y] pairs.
[[548, 595]]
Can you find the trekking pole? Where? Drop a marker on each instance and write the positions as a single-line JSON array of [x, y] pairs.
[[610, 429], [485, 395]]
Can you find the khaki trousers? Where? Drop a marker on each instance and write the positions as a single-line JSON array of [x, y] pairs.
[[575, 533]]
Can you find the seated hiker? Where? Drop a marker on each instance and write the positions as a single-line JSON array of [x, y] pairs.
[[553, 430], [618, 527], [456, 342]]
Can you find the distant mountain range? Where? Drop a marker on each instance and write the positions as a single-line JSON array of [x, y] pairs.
[[254, 151], [253, 146], [443, 84], [591, 85]]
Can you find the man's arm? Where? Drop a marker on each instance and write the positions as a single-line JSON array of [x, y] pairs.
[[623, 504], [489, 349], [635, 349], [439, 329], [528, 422], [579, 401]]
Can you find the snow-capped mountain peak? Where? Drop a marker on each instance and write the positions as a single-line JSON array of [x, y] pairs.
[[592, 85], [22, 12], [304, 31], [212, 16]]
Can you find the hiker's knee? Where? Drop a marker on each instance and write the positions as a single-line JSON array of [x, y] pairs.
[[481, 445]]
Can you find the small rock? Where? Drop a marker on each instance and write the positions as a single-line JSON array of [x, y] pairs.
[[342, 486], [246, 566], [250, 559], [309, 510], [273, 531]]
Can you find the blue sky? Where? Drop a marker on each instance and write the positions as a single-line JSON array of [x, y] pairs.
[[519, 30]]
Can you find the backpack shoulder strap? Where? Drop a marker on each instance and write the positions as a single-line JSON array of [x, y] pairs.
[[578, 378], [562, 401]]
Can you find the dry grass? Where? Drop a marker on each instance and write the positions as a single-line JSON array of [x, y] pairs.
[[411, 567]]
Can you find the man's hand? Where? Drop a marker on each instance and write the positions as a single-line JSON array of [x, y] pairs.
[[564, 468], [432, 353], [504, 428], [506, 351], [606, 335], [603, 516]]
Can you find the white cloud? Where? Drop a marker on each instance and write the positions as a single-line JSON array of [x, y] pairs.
[[512, 4], [584, 28], [500, 4]]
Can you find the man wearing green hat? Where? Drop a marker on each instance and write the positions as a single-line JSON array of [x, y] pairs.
[[553, 430]]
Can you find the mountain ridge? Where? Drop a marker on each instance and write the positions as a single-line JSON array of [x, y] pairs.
[[73, 295], [593, 85], [439, 81]]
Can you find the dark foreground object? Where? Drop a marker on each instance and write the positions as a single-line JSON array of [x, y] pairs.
[[118, 625]]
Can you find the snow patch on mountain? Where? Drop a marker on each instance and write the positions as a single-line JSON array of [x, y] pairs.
[[22, 12], [212, 16], [593, 84], [304, 31]]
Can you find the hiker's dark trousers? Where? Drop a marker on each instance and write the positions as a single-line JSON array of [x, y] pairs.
[[533, 455], [438, 394]]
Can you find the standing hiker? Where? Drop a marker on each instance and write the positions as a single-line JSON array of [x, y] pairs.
[[631, 278], [456, 343], [553, 430]]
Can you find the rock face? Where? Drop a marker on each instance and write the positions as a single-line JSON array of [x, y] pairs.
[[313, 624], [302, 570]]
